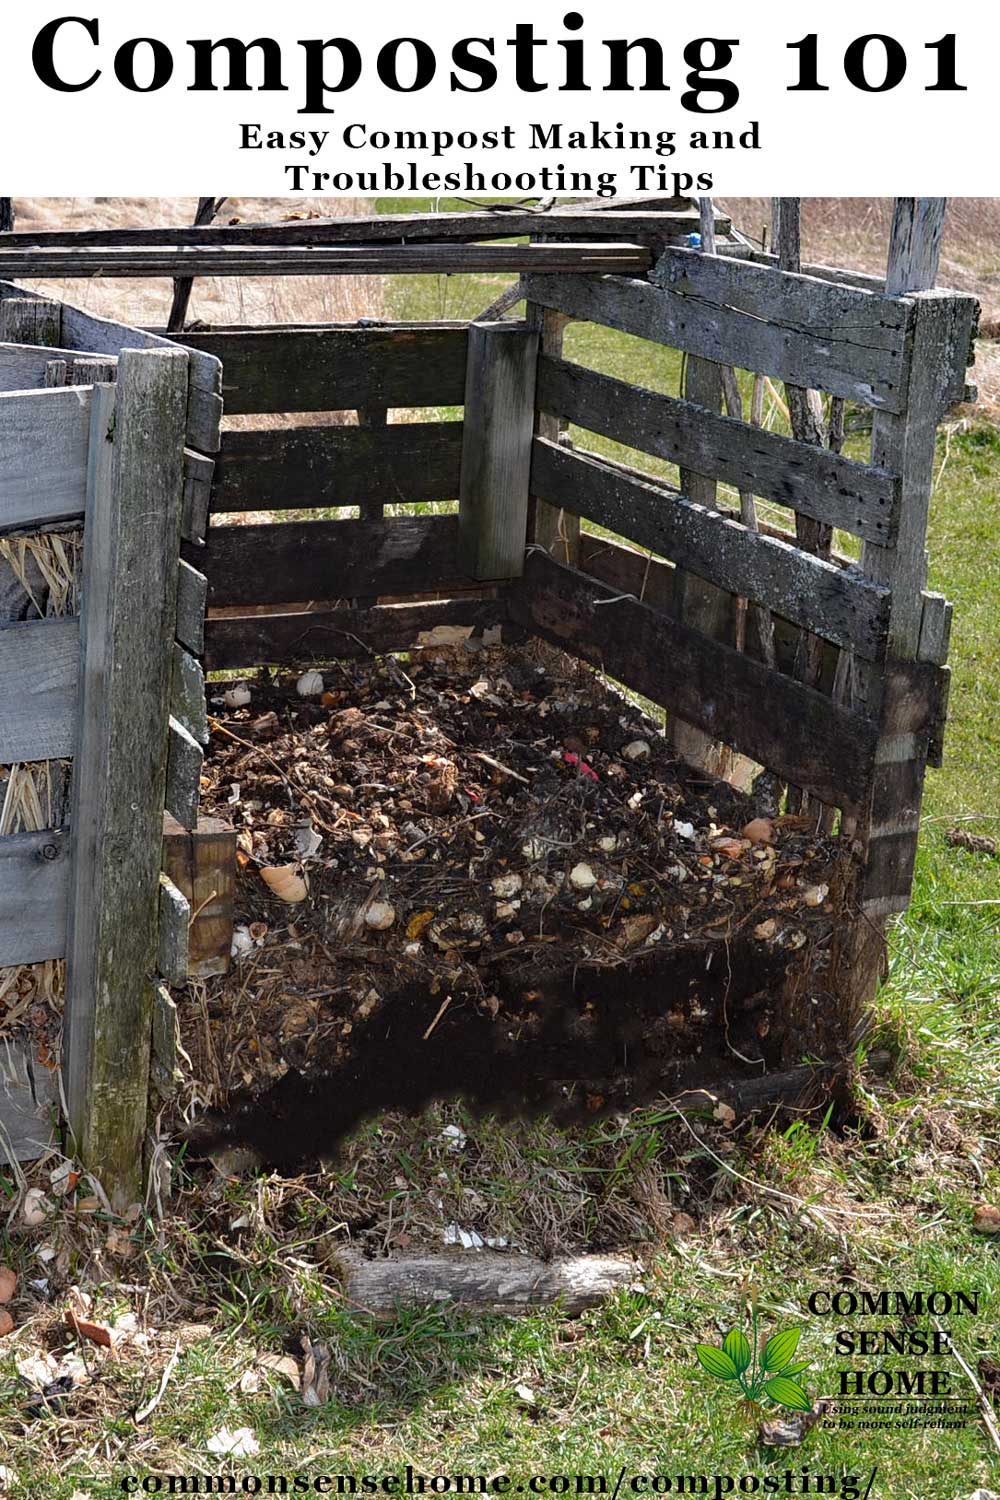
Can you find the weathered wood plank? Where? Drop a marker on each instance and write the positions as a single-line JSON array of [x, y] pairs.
[[44, 438], [858, 498], [174, 920], [198, 475], [299, 468], [243, 641], [29, 1104], [496, 449], [39, 670], [841, 606], [202, 864], [295, 561], [325, 260], [100, 336], [185, 758], [192, 600], [131, 544], [23, 367], [163, 1046], [34, 880], [27, 319], [679, 316], [187, 695], [337, 368], [637, 222], [791, 728]]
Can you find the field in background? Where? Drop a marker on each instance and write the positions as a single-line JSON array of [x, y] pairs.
[[239, 1267]]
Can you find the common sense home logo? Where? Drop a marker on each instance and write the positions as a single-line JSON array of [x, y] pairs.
[[765, 1372]]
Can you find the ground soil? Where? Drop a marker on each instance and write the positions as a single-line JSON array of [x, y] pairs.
[[516, 894]]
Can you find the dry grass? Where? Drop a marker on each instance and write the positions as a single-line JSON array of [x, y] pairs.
[[854, 232]]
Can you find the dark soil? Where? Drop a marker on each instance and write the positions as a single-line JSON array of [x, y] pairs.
[[566, 923]]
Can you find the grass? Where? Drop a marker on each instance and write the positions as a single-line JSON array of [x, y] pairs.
[[242, 1266]]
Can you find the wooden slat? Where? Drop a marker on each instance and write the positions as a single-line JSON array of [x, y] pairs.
[[337, 368], [329, 560], [637, 222], [185, 758], [44, 439], [304, 467], [131, 543], [496, 449], [834, 603], [34, 880], [23, 366], [192, 600], [791, 728], [856, 497], [100, 336], [199, 472], [683, 319], [187, 695], [201, 863], [332, 260], [39, 670], [174, 919], [29, 1104]]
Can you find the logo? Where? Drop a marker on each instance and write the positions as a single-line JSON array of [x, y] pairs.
[[763, 1373]]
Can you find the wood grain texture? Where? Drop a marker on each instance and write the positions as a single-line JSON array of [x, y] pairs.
[[628, 219], [34, 881], [496, 449], [202, 864], [793, 729], [693, 315], [39, 670], [44, 437], [192, 599], [28, 319], [101, 336], [301, 468], [243, 641], [840, 491], [174, 920], [29, 1104], [837, 604], [131, 544], [187, 695], [337, 368], [185, 758], [295, 561], [23, 367], [325, 260]]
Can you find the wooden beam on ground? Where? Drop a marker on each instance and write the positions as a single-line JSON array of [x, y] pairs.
[[595, 259], [496, 449], [132, 539]]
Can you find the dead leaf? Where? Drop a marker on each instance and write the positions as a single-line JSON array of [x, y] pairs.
[[724, 1113], [758, 831], [788, 1430], [682, 1223], [250, 1382], [315, 1373], [635, 930], [282, 1364]]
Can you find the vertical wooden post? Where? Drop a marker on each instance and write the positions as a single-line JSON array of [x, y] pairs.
[[27, 320], [183, 285], [696, 601], [556, 530], [496, 449], [131, 547], [6, 215]]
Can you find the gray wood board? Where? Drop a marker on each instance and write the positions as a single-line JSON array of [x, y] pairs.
[[40, 671], [34, 884], [44, 439], [29, 1103]]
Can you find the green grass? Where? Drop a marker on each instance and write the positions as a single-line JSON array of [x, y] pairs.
[[881, 1206]]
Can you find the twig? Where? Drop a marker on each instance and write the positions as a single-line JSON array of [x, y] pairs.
[[982, 1400], [499, 766], [171, 1366], [441, 1010]]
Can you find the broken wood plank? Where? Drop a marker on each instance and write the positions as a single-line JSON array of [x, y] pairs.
[[174, 921], [337, 368], [185, 758], [131, 544], [676, 315], [496, 449], [62, 262], [34, 880], [23, 367], [243, 641], [201, 863], [777, 721], [163, 1071], [44, 442], [485, 1281], [187, 695], [302, 468], [295, 561], [40, 670], [841, 606], [854, 496], [29, 1104], [199, 472]]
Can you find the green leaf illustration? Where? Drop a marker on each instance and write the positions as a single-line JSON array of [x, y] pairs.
[[797, 1368], [716, 1361], [779, 1349], [787, 1393], [737, 1346]]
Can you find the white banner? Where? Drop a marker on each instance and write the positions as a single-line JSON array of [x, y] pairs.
[[256, 99]]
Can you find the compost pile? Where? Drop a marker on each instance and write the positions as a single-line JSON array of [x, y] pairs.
[[483, 871]]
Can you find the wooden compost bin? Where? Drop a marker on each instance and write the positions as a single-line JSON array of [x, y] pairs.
[[846, 710]]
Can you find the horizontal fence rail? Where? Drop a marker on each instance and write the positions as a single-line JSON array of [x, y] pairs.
[[335, 260], [39, 670], [34, 886], [692, 314], [300, 468], [826, 486], [337, 369], [44, 442]]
